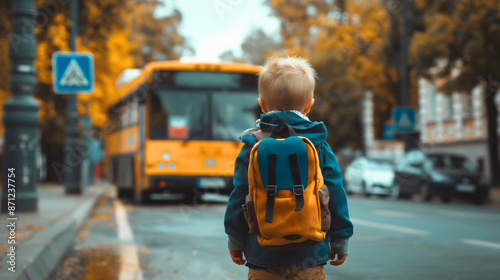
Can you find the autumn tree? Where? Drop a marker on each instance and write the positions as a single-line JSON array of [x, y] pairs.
[[4, 55], [388, 81], [102, 23], [464, 34], [229, 55], [345, 42], [155, 38], [105, 28], [256, 47]]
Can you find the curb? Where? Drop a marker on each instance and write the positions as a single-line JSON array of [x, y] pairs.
[[42, 253], [494, 195]]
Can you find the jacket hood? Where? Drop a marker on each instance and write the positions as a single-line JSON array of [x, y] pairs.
[[314, 131]]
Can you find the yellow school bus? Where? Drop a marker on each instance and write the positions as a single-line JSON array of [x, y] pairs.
[[176, 127]]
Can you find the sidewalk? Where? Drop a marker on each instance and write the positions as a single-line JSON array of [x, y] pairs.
[[42, 238]]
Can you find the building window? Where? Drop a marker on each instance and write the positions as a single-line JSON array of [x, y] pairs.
[[449, 130], [468, 106], [433, 133], [432, 101], [449, 107], [468, 130]]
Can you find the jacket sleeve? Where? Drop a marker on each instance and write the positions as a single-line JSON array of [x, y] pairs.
[[341, 227], [235, 224]]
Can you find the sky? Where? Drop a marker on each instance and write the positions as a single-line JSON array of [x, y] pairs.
[[214, 26]]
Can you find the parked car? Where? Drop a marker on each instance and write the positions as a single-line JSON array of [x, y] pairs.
[[369, 176], [439, 174]]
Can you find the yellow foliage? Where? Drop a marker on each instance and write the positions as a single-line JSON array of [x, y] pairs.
[[115, 32], [4, 95], [466, 33], [344, 47]]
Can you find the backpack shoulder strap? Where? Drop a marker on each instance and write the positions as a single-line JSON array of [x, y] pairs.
[[271, 188], [298, 188], [259, 134]]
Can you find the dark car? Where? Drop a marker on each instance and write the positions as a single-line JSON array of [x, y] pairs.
[[439, 174]]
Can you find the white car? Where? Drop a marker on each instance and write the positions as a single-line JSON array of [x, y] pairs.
[[369, 176]]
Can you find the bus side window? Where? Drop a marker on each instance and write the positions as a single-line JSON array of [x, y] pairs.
[[157, 119], [134, 112], [113, 119], [118, 114], [124, 116]]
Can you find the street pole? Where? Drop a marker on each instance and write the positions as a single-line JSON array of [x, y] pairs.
[[20, 115], [404, 63], [86, 173], [72, 182]]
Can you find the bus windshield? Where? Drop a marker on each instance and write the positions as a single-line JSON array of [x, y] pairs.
[[202, 114]]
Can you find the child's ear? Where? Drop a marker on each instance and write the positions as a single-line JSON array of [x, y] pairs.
[[263, 106], [308, 106]]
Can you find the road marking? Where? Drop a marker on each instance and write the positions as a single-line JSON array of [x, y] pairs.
[[481, 243], [397, 214], [129, 258], [463, 214], [389, 227]]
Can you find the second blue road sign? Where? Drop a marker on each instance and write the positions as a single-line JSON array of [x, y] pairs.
[[404, 119]]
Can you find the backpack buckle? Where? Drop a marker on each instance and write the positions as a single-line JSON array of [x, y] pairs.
[[298, 189], [271, 190]]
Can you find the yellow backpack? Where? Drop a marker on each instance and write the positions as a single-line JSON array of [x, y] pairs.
[[287, 204]]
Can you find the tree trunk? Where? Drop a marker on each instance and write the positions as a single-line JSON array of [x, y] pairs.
[[491, 111]]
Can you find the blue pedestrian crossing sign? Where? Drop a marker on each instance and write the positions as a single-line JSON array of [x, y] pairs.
[[404, 119], [73, 72], [389, 131]]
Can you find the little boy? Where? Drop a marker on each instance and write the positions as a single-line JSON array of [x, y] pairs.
[[286, 87]]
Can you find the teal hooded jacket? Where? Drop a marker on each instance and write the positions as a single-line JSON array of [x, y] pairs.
[[341, 227]]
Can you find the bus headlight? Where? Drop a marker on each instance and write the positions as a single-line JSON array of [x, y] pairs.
[[167, 156], [161, 165], [171, 165], [209, 162]]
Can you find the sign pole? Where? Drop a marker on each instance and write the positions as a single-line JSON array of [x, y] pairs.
[[20, 116], [86, 170], [72, 157], [404, 62]]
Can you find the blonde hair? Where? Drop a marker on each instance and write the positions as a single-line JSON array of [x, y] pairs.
[[286, 83]]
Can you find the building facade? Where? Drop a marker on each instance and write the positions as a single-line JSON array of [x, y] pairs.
[[455, 123]]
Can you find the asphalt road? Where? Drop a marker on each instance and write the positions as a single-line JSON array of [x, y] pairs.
[[170, 239]]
